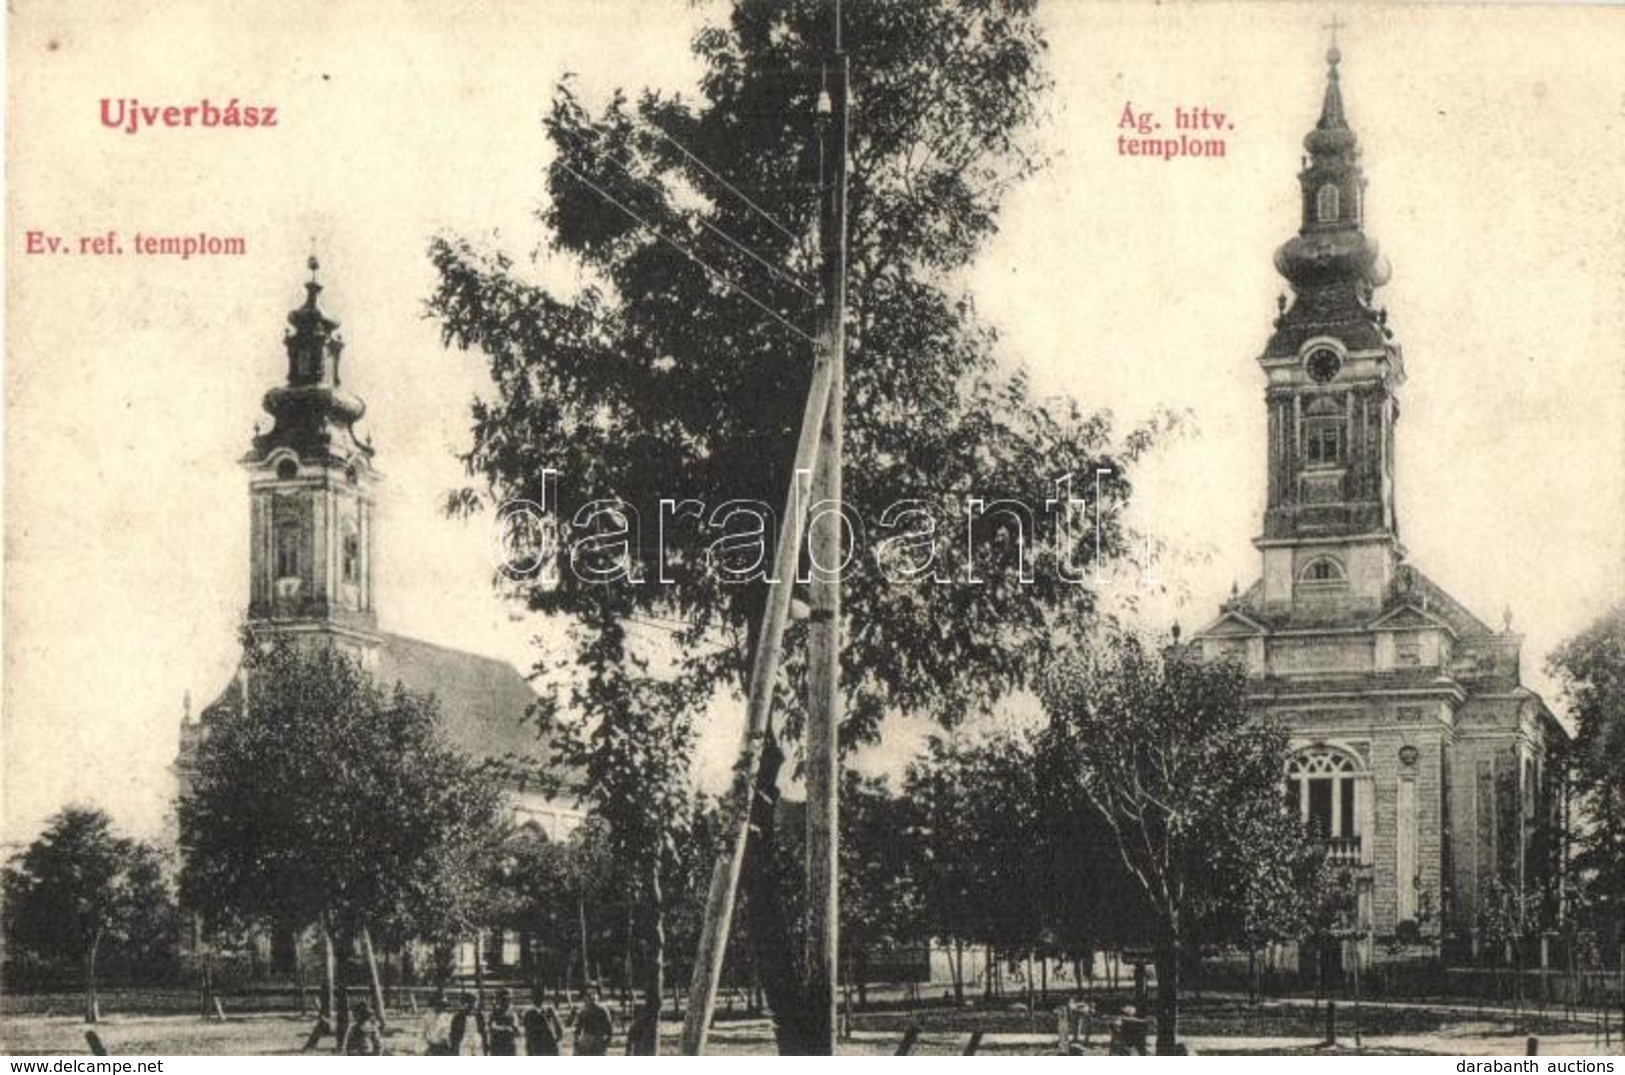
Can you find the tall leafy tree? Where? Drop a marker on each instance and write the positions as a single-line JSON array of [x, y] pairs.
[[981, 832], [323, 799], [80, 891], [1591, 668], [679, 372], [628, 736], [1188, 782], [880, 868], [533, 892], [1014, 855]]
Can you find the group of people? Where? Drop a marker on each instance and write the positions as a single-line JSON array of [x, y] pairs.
[[498, 1031]]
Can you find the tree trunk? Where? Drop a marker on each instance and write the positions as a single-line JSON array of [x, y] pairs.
[[771, 944], [626, 956], [1032, 997], [93, 1007], [656, 986], [341, 1014], [846, 1005], [1167, 964], [959, 973], [330, 1005], [581, 917], [373, 981]]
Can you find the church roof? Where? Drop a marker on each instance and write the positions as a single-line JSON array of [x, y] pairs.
[[1411, 590], [484, 702]]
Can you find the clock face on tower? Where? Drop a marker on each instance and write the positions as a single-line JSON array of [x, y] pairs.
[[1323, 364]]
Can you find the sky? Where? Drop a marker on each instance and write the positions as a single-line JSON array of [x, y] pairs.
[[1492, 144]]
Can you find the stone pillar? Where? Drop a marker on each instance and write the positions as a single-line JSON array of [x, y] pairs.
[[1405, 851]]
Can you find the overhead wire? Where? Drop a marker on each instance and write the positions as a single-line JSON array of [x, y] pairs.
[[785, 274], [717, 274], [708, 170]]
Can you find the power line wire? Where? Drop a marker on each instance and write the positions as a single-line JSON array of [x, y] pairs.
[[737, 244], [708, 170], [717, 274]]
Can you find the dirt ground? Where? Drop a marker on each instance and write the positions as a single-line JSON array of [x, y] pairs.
[[266, 1035], [269, 1034], [1213, 1025]]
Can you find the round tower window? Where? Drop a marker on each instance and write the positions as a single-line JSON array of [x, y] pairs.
[[287, 470]]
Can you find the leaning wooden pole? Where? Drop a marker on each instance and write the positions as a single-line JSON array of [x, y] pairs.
[[374, 984], [719, 902], [822, 950]]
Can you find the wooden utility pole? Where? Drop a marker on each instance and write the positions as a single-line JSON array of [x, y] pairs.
[[818, 449], [827, 555], [719, 902]]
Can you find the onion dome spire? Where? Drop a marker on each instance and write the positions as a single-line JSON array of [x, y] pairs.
[[1332, 135], [1332, 265], [314, 416], [312, 339]]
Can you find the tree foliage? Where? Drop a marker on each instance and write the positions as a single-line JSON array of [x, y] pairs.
[[532, 890], [324, 799], [982, 836], [627, 738], [678, 372], [1187, 781], [1591, 668], [81, 894], [880, 871], [658, 382]]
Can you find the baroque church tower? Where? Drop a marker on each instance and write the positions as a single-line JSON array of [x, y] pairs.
[[1332, 370], [311, 572], [311, 486], [311, 483], [1418, 755]]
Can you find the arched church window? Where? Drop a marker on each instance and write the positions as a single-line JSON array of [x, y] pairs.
[[1320, 786], [287, 551], [1323, 570], [287, 470], [1326, 203], [352, 555], [1323, 442]]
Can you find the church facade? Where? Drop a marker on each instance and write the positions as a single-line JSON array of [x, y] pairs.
[[312, 489], [1417, 752]]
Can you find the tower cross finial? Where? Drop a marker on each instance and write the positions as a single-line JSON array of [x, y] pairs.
[[1332, 54]]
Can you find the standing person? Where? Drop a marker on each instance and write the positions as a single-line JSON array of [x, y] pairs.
[[437, 1027], [364, 1037], [502, 1027], [644, 1032], [462, 1042], [543, 1033], [594, 1026]]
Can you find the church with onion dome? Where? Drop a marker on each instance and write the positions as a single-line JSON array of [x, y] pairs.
[[1418, 754], [312, 487]]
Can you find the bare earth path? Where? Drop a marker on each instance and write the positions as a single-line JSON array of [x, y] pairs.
[[283, 1034]]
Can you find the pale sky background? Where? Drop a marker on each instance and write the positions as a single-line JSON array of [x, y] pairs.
[[1493, 147]]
